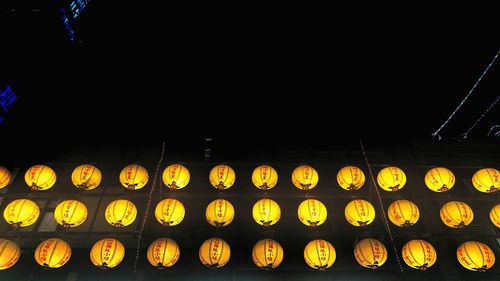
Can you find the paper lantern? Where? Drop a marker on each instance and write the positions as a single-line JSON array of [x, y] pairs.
[[134, 177], [70, 213], [176, 176], [9, 254], [350, 178], [21, 213], [486, 180], [170, 212], [5, 177], [107, 253], [86, 177], [163, 253], [267, 254], [456, 214], [403, 213], [391, 179], [120, 213], [266, 212], [370, 253], [214, 253], [495, 215], [222, 177], [319, 254], [359, 212], [40, 177], [419, 254], [264, 177], [305, 177], [439, 179], [312, 212], [53, 253], [475, 256], [219, 212]]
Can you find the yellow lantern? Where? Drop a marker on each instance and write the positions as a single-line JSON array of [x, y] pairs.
[[419, 254], [305, 177], [222, 177], [264, 177], [5, 177], [214, 253], [403, 213], [370, 253], [475, 256], [495, 215], [350, 178], [9, 254], [267, 254], [120, 213], [312, 212], [170, 212], [176, 176], [86, 177], [487, 180], [53, 253], [70, 213], [163, 253], [456, 214], [107, 253], [319, 254], [21, 213], [40, 177], [359, 212], [391, 178], [266, 212], [134, 177], [439, 179], [219, 212]]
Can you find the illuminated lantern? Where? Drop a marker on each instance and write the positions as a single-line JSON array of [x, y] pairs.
[[9, 254], [40, 177], [86, 177], [176, 176], [403, 213], [163, 253], [359, 212], [222, 177], [312, 212], [219, 212], [107, 253], [120, 213], [21, 213], [267, 254], [53, 253], [419, 254], [4, 177], [214, 253], [475, 256], [266, 212], [170, 212], [319, 254], [264, 177], [456, 214], [439, 179], [370, 253], [70, 213], [495, 215], [391, 178], [305, 177], [487, 180], [134, 177], [351, 178]]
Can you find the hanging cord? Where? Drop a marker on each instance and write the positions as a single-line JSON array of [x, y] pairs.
[[436, 133], [466, 134], [382, 209], [148, 205]]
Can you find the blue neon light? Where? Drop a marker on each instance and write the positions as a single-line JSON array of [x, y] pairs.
[[7, 97], [76, 7], [67, 25]]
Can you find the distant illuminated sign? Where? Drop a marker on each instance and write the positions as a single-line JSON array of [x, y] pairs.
[[76, 7], [7, 97]]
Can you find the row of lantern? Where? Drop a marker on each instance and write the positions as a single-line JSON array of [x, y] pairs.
[[220, 212], [267, 254], [176, 176]]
